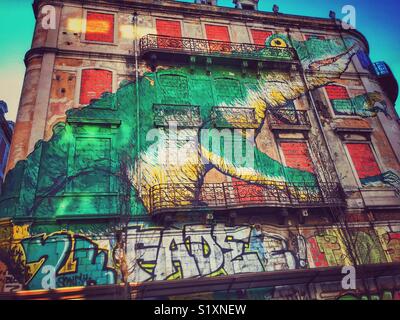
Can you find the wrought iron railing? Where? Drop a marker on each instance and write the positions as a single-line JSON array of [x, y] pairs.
[[193, 46], [184, 196], [288, 116], [182, 115], [230, 117]]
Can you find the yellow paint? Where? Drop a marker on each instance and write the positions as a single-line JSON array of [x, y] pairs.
[[74, 25], [206, 249], [127, 31], [98, 26], [71, 264], [178, 274], [219, 272], [278, 42]]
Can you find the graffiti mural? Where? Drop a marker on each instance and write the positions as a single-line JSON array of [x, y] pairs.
[[201, 251], [199, 136], [62, 260], [386, 295], [66, 259], [8, 283]]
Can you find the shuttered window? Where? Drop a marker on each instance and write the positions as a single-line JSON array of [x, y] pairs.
[[260, 36], [99, 27], [297, 156], [218, 33], [169, 28], [337, 92], [363, 160], [94, 83]]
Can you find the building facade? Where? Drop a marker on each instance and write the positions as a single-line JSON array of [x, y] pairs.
[[159, 140], [6, 132]]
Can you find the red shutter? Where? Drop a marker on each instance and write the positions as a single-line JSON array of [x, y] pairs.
[[297, 156], [363, 160], [170, 29], [337, 92], [260, 36], [94, 82], [218, 33], [100, 27]]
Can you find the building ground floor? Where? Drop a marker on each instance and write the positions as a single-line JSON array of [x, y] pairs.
[[200, 256]]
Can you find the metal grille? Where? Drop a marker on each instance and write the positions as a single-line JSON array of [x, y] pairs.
[[183, 115], [229, 117], [287, 116], [166, 197], [195, 46]]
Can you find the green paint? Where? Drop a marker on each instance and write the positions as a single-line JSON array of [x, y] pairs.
[[81, 172]]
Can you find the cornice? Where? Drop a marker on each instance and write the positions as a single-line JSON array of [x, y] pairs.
[[196, 10]]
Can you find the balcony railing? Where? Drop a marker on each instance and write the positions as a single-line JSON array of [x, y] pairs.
[[282, 117], [187, 196], [182, 115], [229, 117], [193, 46]]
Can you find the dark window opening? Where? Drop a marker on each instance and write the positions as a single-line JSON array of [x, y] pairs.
[[248, 7]]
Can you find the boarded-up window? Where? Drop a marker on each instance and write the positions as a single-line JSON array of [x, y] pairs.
[[227, 90], [218, 33], [363, 160], [99, 27], [260, 36], [92, 165], [297, 156], [174, 89], [340, 100], [169, 28], [94, 83], [337, 92]]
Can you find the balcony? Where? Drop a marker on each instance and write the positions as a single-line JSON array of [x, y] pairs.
[[288, 119], [182, 115], [158, 46], [238, 194], [229, 117]]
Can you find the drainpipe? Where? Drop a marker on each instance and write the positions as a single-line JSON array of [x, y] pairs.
[[138, 142]]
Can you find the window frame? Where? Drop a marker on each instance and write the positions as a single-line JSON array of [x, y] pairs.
[[330, 105], [350, 159], [168, 19], [258, 29], [84, 27], [294, 140], [214, 23], [78, 87]]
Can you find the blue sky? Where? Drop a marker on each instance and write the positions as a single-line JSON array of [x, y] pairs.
[[378, 20]]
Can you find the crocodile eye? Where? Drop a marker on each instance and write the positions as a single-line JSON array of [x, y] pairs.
[[278, 42]]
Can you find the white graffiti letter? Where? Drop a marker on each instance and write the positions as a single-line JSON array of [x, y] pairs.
[[349, 280], [49, 280]]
